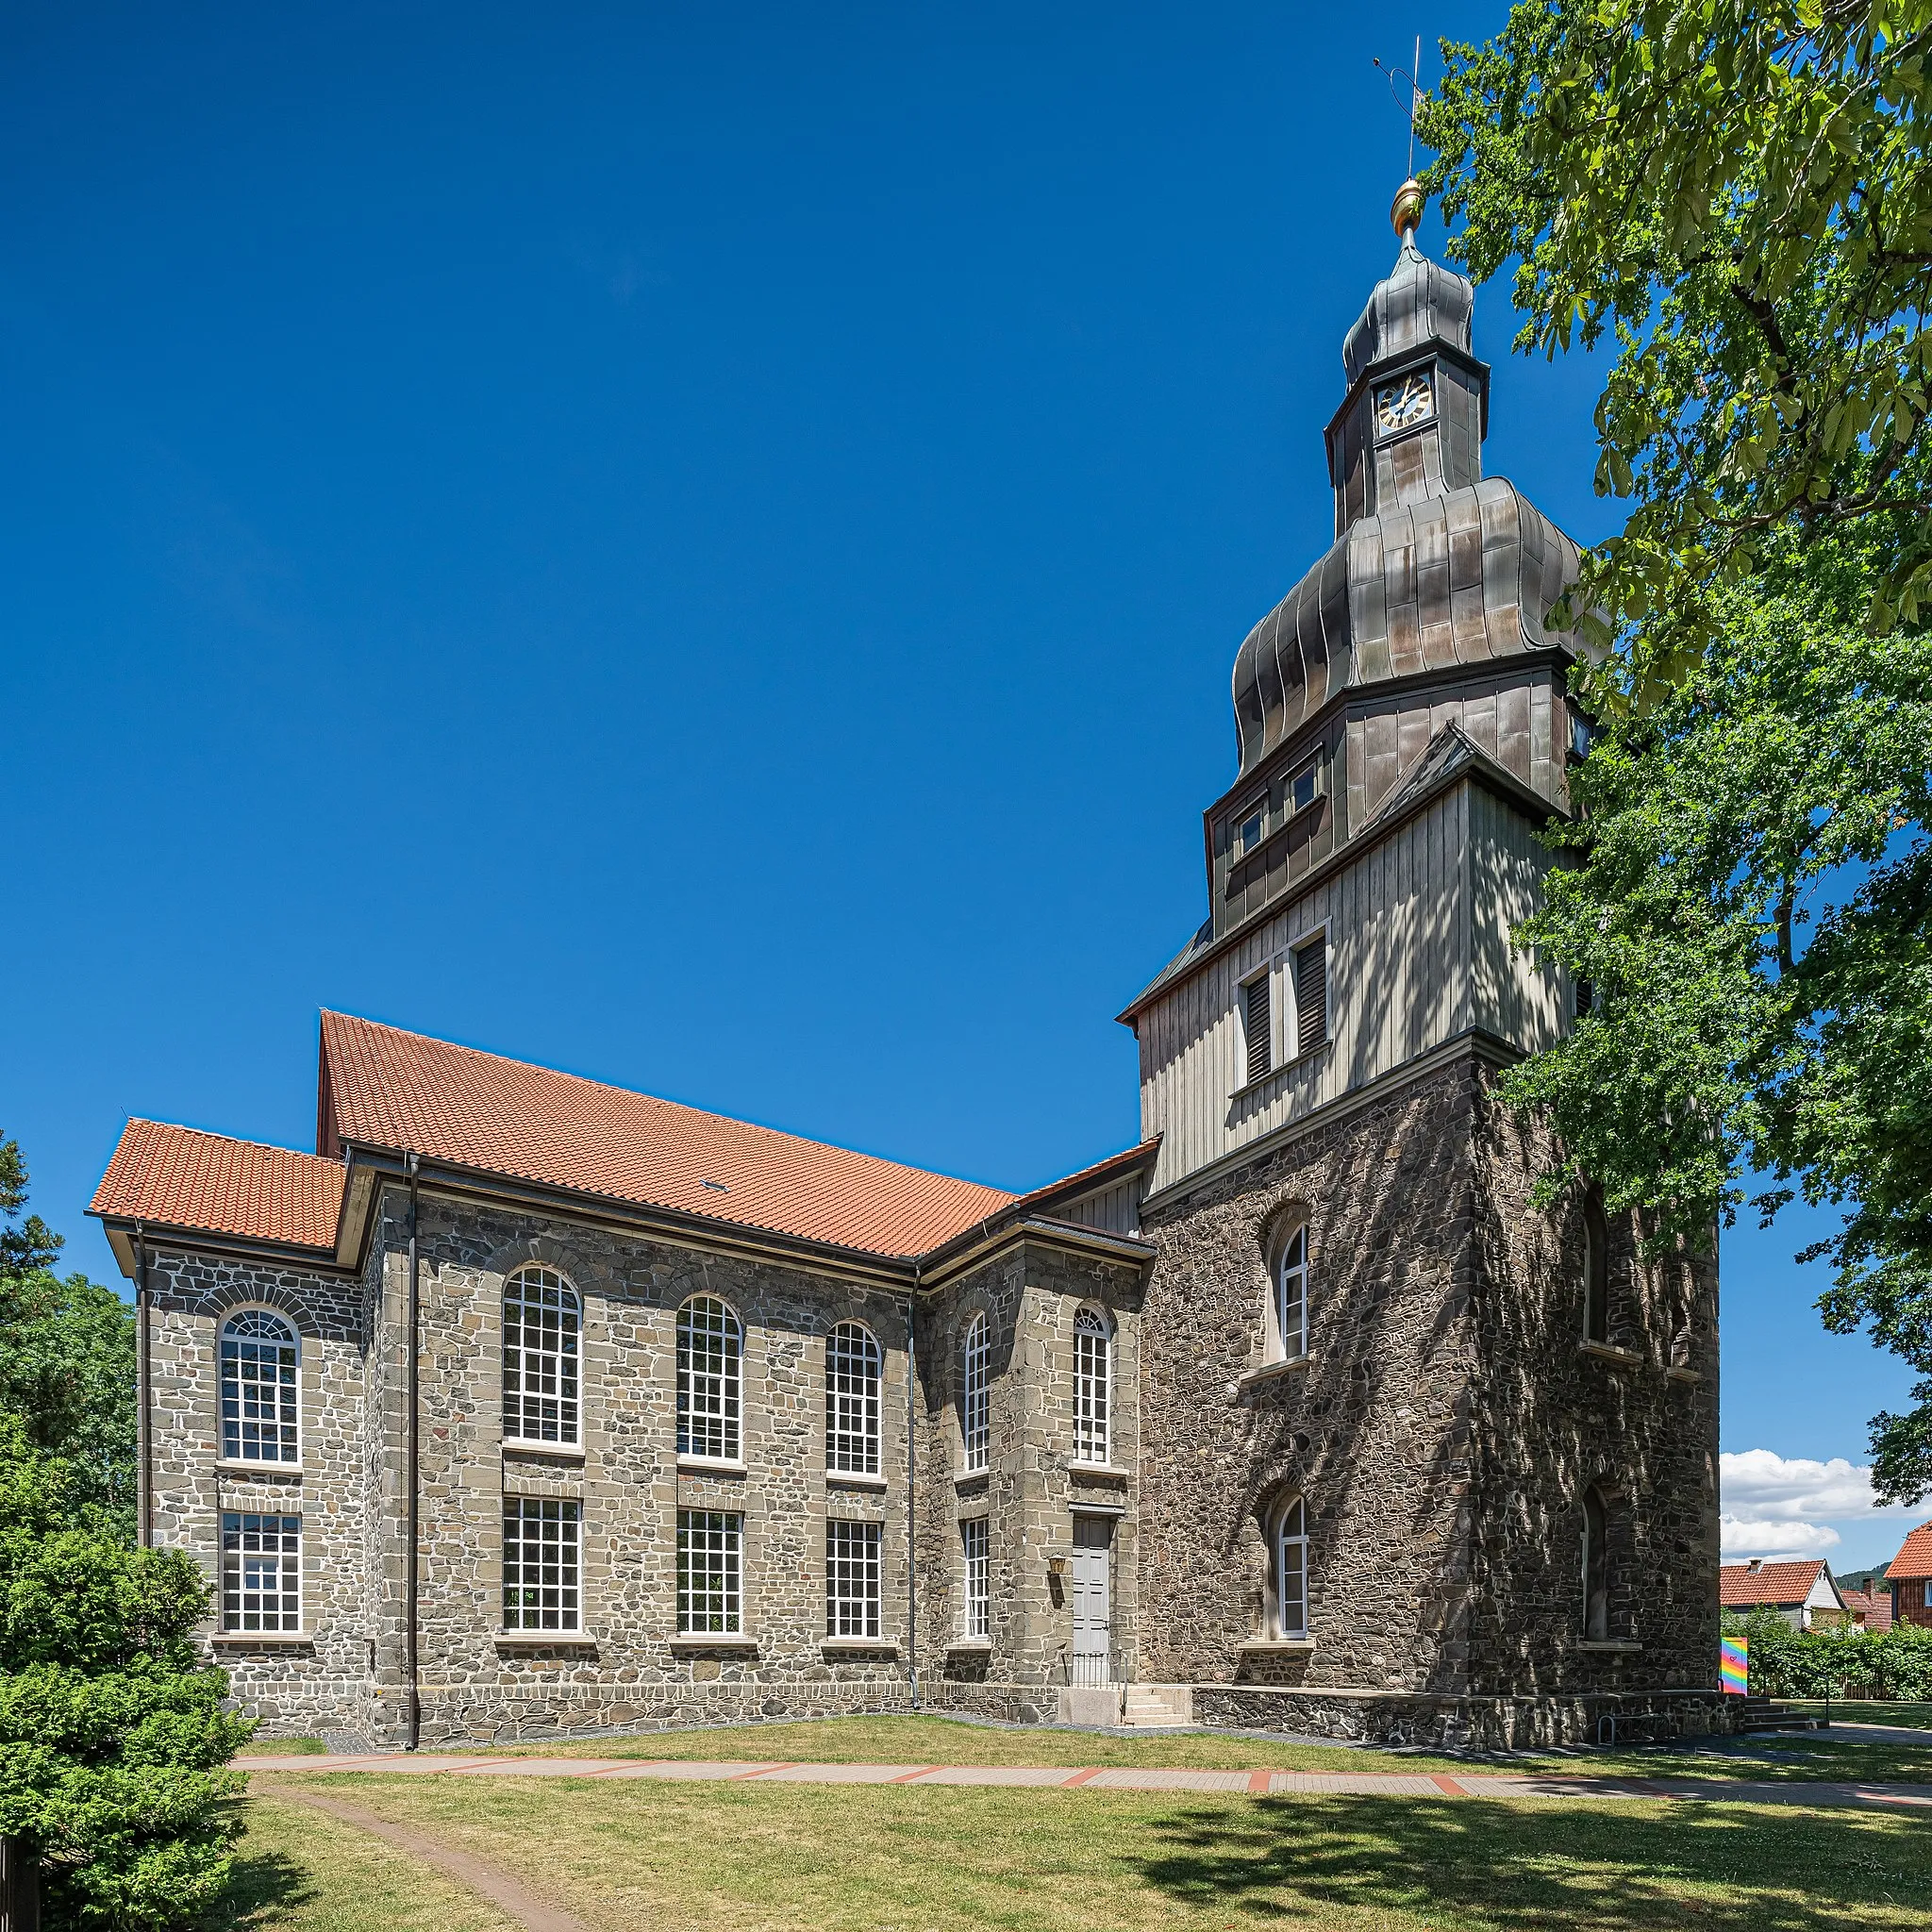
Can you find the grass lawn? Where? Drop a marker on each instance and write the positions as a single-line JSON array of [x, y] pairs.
[[942, 1740], [651, 1857], [300, 1872]]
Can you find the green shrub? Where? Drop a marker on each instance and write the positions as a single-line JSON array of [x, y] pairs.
[[112, 1739], [1835, 1663]]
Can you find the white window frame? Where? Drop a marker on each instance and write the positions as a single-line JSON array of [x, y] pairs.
[[854, 1582], [976, 1599], [854, 1390], [542, 1559], [710, 1387], [710, 1594], [286, 1426], [1288, 961], [976, 1395], [1092, 1387], [1289, 1557], [261, 1587], [556, 1364], [1293, 1265]]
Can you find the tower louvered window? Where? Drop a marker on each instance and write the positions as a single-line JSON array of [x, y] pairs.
[[1311, 995], [1256, 1017]]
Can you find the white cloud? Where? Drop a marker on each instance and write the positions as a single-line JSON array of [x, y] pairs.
[[1765, 1488], [1745, 1536]]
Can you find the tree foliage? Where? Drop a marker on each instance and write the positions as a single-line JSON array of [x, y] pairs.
[[1731, 198], [112, 1738], [1735, 194], [67, 1358], [1895, 1663]]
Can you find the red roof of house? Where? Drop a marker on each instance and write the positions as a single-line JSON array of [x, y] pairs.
[[1740, 1586], [178, 1177], [1874, 1606], [387, 1088], [1914, 1558]]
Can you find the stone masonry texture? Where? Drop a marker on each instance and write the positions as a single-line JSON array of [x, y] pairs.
[[1443, 1431]]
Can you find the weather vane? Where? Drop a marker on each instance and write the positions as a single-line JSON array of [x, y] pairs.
[[1408, 209], [1415, 93]]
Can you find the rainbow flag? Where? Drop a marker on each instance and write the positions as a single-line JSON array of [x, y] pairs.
[[1734, 1666]]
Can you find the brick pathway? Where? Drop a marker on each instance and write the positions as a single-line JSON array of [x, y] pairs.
[[1111, 1779]]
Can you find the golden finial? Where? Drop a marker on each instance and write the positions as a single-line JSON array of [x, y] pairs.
[[1407, 209]]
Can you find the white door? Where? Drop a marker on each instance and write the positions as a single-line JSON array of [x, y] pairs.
[[1093, 1599]]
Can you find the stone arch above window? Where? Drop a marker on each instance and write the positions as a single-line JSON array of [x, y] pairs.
[[1092, 1386], [976, 1394], [854, 1366], [542, 1339], [261, 1362], [710, 1358], [1291, 1259]]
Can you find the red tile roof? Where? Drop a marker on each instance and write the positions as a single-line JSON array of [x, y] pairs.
[[1873, 1606], [400, 1092], [178, 1177], [1740, 1586], [1914, 1558]]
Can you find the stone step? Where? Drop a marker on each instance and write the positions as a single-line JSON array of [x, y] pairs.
[[1158, 1704]]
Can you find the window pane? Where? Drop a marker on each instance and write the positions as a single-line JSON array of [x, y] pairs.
[[710, 1587], [1291, 1296], [852, 1579], [1091, 1367], [851, 1401], [261, 1571], [539, 1563], [976, 1425], [709, 1348], [261, 1396], [973, 1541], [1292, 1574], [541, 1331]]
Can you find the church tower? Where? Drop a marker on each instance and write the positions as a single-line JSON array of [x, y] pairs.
[[1417, 1456]]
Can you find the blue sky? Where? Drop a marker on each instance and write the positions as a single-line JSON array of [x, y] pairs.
[[700, 545]]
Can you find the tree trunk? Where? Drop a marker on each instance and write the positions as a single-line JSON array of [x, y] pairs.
[[20, 1889]]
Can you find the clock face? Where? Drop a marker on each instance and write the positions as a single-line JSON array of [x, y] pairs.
[[1404, 402]]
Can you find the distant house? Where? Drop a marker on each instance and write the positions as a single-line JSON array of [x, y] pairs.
[[1802, 1594], [1910, 1576], [1869, 1609]]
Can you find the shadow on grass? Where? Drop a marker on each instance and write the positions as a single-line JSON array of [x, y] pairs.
[[265, 1888], [1534, 1868]]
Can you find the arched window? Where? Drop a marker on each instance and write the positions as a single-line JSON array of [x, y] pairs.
[[710, 1348], [262, 1392], [1093, 1348], [1289, 1555], [542, 1326], [1596, 1568], [1596, 1268], [975, 1416], [853, 1366], [1289, 1301]]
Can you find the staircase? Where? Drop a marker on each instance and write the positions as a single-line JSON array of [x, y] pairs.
[[1158, 1706], [1763, 1714]]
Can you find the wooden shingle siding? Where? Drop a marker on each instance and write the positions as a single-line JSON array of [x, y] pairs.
[[1115, 1209], [1514, 998], [1398, 983]]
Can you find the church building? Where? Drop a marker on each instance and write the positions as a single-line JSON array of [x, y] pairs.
[[526, 1406]]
